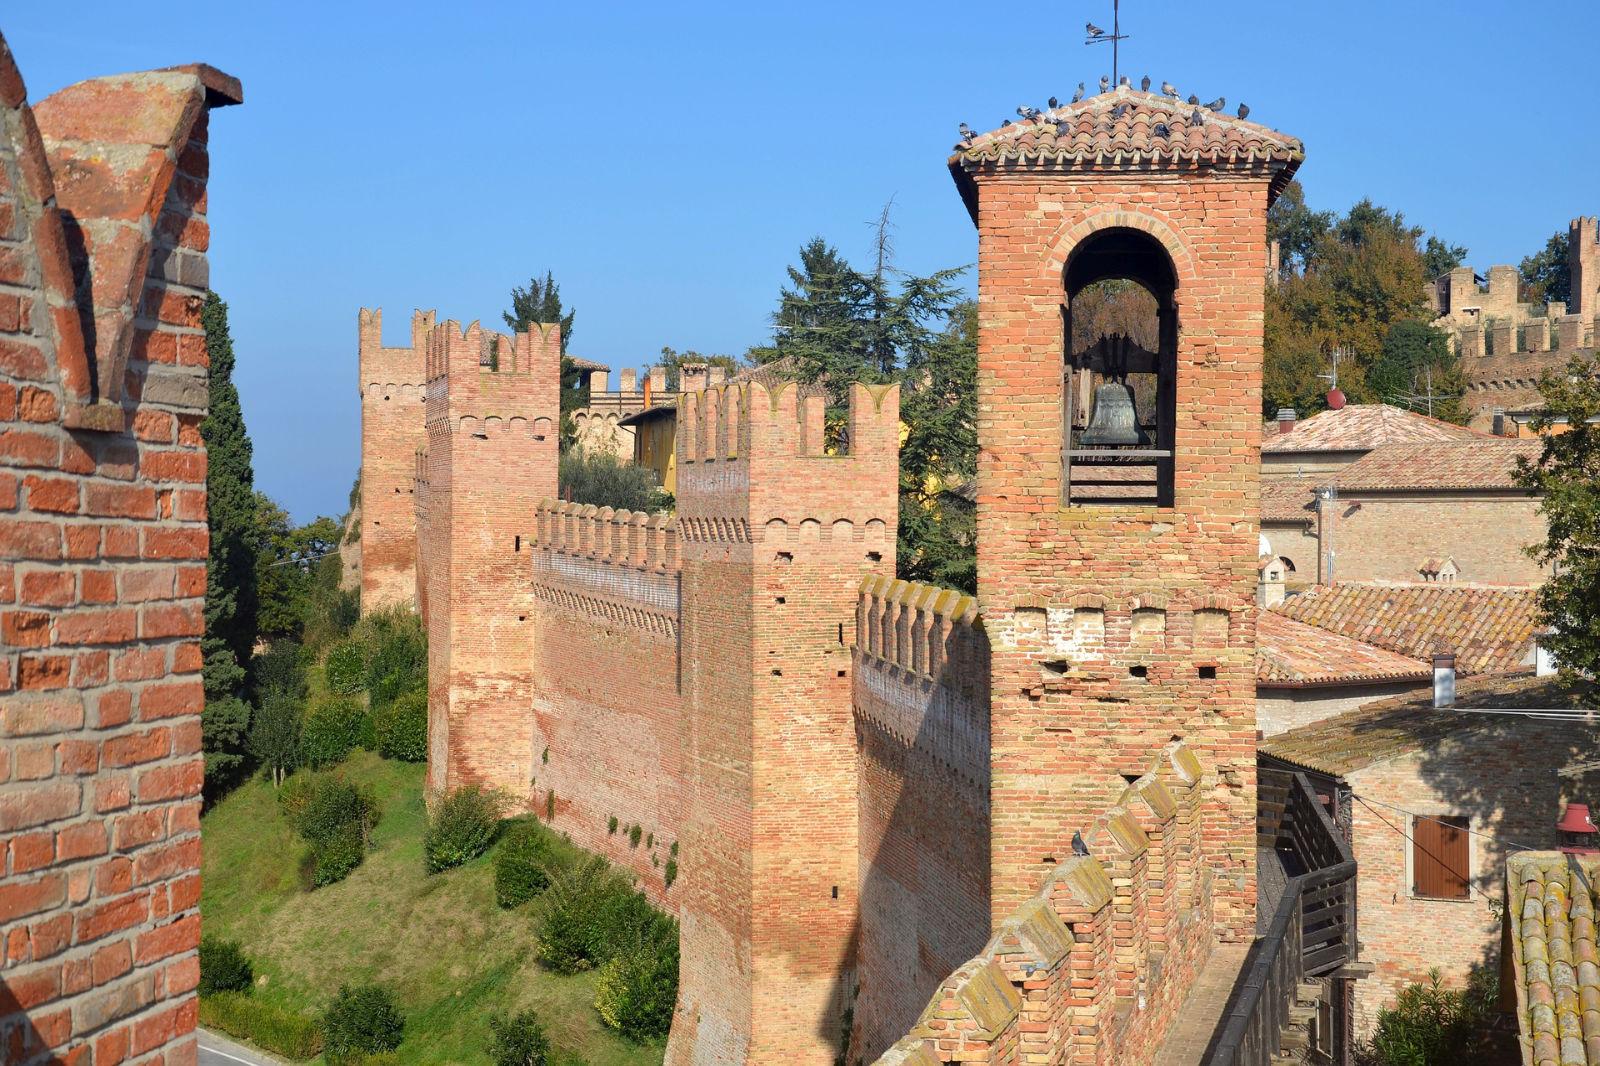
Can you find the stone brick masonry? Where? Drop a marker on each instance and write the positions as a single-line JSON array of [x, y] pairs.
[[103, 541]]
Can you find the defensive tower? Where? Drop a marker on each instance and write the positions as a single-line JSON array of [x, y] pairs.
[[1117, 486], [391, 432]]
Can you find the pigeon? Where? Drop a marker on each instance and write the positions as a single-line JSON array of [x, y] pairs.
[[1194, 100], [1105, 83], [1144, 84], [1218, 104], [1169, 89], [1160, 130], [1118, 111], [1052, 103], [1197, 119], [1122, 80], [1029, 113], [1078, 846], [1092, 30], [966, 132], [1244, 110], [1079, 94]]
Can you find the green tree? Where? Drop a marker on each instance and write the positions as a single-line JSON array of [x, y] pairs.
[[287, 558], [1547, 274], [1417, 369], [671, 360], [230, 606], [938, 458], [224, 727], [1296, 228], [540, 301], [1440, 258], [1567, 478], [275, 732]]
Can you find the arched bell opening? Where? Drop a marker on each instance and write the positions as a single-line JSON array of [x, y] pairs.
[[1120, 336]]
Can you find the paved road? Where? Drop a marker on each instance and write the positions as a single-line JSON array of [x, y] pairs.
[[218, 1050]]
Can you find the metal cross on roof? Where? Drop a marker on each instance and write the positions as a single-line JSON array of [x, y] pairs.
[[1099, 36]]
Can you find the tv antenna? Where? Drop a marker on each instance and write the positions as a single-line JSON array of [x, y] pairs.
[[1099, 36]]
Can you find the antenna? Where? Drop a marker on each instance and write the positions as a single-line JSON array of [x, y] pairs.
[[1335, 357], [1114, 37]]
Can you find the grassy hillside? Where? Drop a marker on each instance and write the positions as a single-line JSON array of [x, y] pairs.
[[439, 942]]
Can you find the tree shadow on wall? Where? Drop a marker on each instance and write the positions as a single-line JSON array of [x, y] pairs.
[[922, 743], [21, 1043]]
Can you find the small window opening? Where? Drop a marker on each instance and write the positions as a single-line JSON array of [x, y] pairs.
[[1141, 672], [782, 599], [522, 618], [835, 891], [1049, 860], [480, 436], [1130, 778], [874, 557], [1209, 673], [517, 542], [777, 673], [841, 673], [784, 558]]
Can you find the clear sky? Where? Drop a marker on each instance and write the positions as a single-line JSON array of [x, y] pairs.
[[667, 160]]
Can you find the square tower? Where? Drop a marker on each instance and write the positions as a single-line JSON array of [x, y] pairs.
[[1117, 476], [391, 432]]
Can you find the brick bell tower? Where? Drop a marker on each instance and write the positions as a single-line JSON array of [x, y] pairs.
[[1117, 483]]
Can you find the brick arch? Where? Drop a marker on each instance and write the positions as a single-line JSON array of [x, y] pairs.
[[1067, 241]]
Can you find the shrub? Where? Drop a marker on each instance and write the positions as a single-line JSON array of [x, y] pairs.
[[275, 735], [592, 914], [403, 728], [396, 654], [611, 825], [336, 857], [361, 1021], [638, 988], [604, 480], [262, 1024], [519, 1041], [521, 866], [670, 874], [334, 817], [1432, 1024], [462, 827], [223, 967], [333, 729], [633, 836], [281, 667], [346, 667]]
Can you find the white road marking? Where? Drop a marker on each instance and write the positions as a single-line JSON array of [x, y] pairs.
[[224, 1054]]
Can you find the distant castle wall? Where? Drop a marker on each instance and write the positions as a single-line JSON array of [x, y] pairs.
[[391, 381]]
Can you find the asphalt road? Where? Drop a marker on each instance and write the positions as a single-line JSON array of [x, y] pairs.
[[218, 1050]]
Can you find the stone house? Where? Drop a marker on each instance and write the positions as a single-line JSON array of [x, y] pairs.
[[1432, 802]]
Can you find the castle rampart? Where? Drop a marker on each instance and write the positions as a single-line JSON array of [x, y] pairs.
[[391, 381]]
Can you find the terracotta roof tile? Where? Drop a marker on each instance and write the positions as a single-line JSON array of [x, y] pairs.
[[1398, 726], [579, 363], [1360, 427], [1287, 500], [1440, 466], [1489, 630], [1555, 960], [1150, 132], [1291, 654]]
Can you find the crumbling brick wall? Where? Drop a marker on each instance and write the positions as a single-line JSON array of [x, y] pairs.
[[103, 542]]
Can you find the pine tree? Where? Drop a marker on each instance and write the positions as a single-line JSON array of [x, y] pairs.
[[939, 458], [230, 607], [541, 302]]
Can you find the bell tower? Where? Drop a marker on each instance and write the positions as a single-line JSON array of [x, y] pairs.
[[1117, 479]]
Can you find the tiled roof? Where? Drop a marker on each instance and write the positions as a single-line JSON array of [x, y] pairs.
[[1149, 132], [1439, 466], [1489, 630], [580, 363], [1287, 500], [1360, 427], [1550, 910], [1388, 729], [1291, 654]]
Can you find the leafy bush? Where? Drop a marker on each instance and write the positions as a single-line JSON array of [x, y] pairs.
[[346, 667], [670, 874], [633, 836], [361, 1021], [336, 857], [262, 1024], [333, 729], [519, 1041], [604, 480], [611, 825], [522, 865], [1430, 1025], [275, 734], [638, 987], [403, 728], [592, 914], [224, 967], [332, 815], [281, 666], [462, 827], [396, 655]]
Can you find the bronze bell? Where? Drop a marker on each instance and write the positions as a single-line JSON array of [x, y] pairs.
[[1112, 419]]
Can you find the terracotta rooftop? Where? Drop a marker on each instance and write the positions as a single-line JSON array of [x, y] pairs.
[[1440, 466], [1150, 132], [1489, 630], [580, 363], [1360, 427], [1287, 500], [1291, 654], [1555, 962], [1401, 725]]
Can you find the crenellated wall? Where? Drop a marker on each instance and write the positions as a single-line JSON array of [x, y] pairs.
[[392, 428], [921, 706], [1092, 968]]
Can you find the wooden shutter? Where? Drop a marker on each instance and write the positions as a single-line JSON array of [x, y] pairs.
[[1439, 859]]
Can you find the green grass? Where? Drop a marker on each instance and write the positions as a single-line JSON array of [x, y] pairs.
[[439, 942]]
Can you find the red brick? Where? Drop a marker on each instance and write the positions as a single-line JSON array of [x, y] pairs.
[[44, 671], [81, 841], [114, 626], [58, 494], [132, 748], [171, 782], [48, 588], [138, 829], [171, 699], [177, 620], [171, 939], [119, 501], [18, 899], [31, 851], [112, 917]]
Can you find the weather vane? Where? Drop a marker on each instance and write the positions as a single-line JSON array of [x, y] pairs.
[[1099, 36]]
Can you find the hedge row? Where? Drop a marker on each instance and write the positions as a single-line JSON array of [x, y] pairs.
[[270, 1027]]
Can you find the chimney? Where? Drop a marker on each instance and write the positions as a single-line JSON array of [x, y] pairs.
[[1444, 679], [1286, 417], [1578, 831], [1544, 659], [1499, 422]]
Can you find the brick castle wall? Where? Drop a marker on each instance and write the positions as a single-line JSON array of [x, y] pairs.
[[1102, 591], [921, 705], [103, 547], [392, 429]]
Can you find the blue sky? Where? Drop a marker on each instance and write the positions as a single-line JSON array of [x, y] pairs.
[[667, 160]]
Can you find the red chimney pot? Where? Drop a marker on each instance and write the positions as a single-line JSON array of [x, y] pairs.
[[1578, 832]]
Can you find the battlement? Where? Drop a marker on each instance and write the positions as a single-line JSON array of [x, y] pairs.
[[621, 538], [466, 353], [723, 423], [1098, 961], [919, 628], [389, 366]]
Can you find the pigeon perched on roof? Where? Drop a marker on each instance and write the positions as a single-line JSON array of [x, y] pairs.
[[966, 132], [1079, 94], [1105, 82], [1052, 103], [1160, 129], [1144, 84], [1078, 846], [1194, 100], [1118, 111], [1122, 80], [1029, 113], [1092, 30], [1218, 104], [1244, 110], [1169, 89], [1197, 119]]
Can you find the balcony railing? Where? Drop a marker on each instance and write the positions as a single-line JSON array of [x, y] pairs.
[[629, 402], [1313, 928]]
